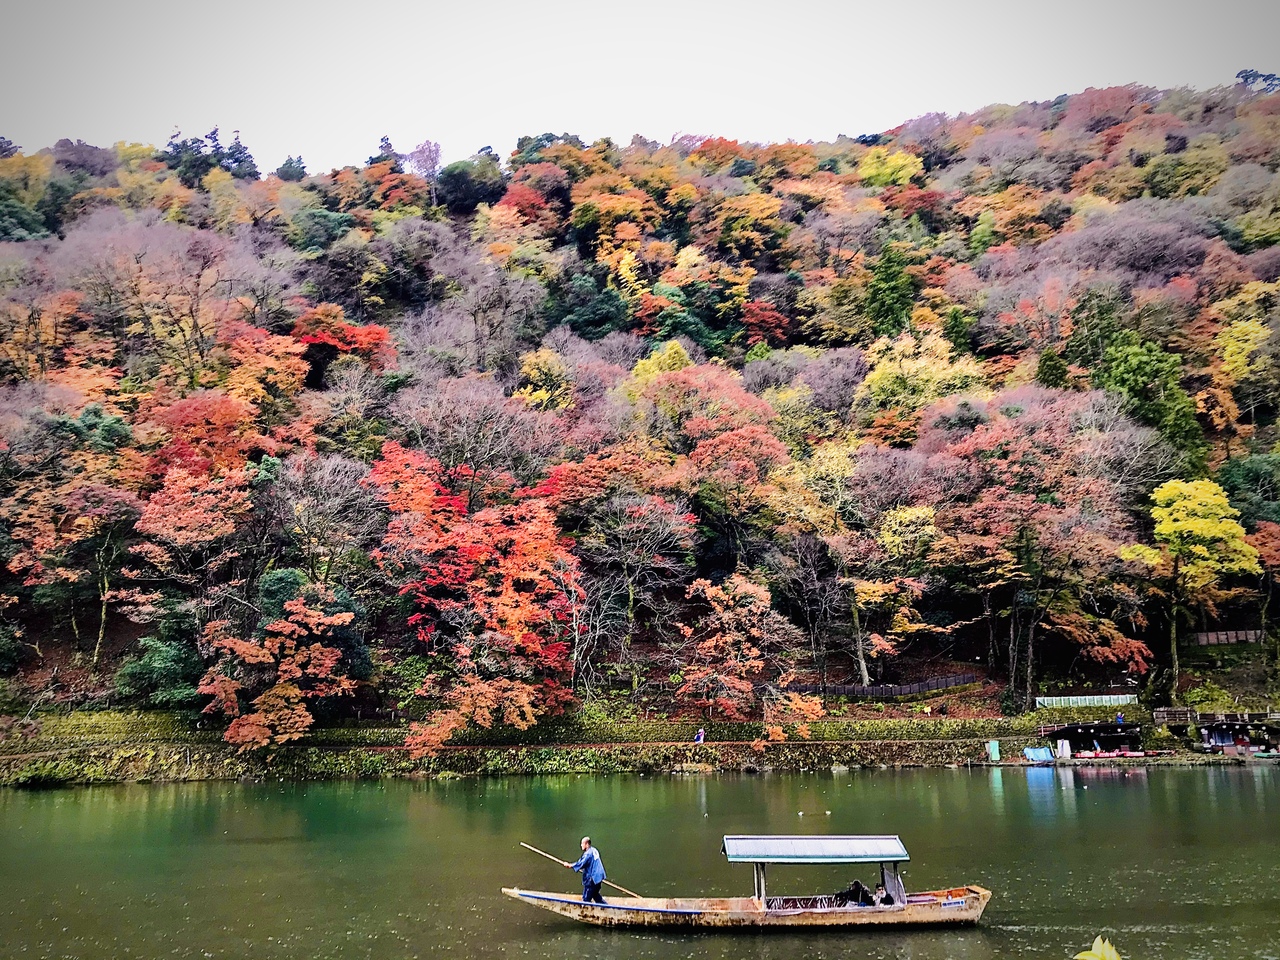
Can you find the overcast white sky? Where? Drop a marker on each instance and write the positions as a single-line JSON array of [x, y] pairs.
[[326, 80]]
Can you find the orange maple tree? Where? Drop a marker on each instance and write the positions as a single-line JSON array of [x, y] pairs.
[[189, 527], [281, 669], [734, 649], [326, 325]]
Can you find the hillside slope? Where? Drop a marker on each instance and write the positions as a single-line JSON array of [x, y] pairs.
[[688, 422]]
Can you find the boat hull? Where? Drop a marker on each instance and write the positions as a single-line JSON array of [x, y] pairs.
[[958, 906]]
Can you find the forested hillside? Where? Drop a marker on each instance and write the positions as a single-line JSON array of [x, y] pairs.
[[689, 421]]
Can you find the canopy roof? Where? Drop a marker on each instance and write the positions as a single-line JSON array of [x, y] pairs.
[[814, 849]]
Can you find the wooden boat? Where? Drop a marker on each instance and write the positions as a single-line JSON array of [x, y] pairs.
[[953, 906]]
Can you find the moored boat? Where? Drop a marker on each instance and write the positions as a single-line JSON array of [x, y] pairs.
[[955, 905]]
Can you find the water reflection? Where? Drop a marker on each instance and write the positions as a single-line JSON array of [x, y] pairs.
[[1042, 790], [1171, 863], [997, 789]]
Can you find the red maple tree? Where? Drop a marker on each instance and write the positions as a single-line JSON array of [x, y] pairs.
[[496, 595]]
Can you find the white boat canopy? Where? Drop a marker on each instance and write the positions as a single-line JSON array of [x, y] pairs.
[[814, 849]]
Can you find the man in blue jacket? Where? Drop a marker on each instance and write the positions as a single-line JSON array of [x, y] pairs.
[[592, 872]]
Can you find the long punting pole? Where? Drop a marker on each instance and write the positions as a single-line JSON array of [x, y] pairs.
[[566, 863]]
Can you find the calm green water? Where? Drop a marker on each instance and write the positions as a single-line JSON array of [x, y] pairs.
[[1169, 863]]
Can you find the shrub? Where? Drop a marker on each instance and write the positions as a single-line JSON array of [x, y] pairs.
[[165, 675], [10, 649], [45, 774]]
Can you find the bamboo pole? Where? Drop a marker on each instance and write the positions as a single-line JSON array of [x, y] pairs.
[[566, 863]]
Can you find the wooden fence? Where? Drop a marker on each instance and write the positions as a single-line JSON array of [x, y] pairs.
[[1189, 717], [1221, 637], [884, 690], [1178, 716]]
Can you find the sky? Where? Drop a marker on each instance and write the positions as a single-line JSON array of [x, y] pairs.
[[326, 79]]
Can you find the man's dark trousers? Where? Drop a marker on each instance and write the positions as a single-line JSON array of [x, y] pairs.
[[591, 892]]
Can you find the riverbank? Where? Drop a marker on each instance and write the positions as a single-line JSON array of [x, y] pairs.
[[122, 747]]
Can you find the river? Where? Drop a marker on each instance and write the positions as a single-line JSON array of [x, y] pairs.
[[1170, 863]]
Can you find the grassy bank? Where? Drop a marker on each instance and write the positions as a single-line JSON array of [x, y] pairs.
[[114, 747], [175, 762], [106, 728]]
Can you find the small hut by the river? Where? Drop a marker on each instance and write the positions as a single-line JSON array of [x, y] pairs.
[[1095, 739], [1237, 735]]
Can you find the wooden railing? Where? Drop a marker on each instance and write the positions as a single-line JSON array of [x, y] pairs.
[[1178, 716], [887, 689], [1216, 638]]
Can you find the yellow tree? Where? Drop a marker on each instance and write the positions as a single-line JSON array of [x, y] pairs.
[[669, 357], [911, 372], [1246, 368], [1201, 545], [749, 225], [35, 330], [26, 178], [881, 167], [546, 383]]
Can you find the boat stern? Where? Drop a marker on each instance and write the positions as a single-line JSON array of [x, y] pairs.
[[560, 903], [615, 911]]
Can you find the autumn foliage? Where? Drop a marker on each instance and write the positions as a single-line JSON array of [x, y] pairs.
[[496, 590], [692, 423], [276, 672], [325, 325]]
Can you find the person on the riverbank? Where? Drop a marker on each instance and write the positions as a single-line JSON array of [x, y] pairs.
[[592, 869], [700, 736]]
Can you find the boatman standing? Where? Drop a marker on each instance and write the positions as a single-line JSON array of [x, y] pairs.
[[592, 872]]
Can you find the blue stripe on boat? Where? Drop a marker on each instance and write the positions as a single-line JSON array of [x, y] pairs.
[[609, 906]]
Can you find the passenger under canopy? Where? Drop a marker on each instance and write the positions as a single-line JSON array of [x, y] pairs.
[[886, 850]]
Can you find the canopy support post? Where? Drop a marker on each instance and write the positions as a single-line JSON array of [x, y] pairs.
[[759, 882]]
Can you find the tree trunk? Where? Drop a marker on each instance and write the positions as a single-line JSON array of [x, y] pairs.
[[104, 587], [1175, 606], [1265, 606], [860, 645], [102, 630], [1029, 689], [1272, 644], [819, 653], [1013, 648], [993, 648]]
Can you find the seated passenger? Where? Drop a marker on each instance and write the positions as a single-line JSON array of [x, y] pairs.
[[852, 895], [882, 896]]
